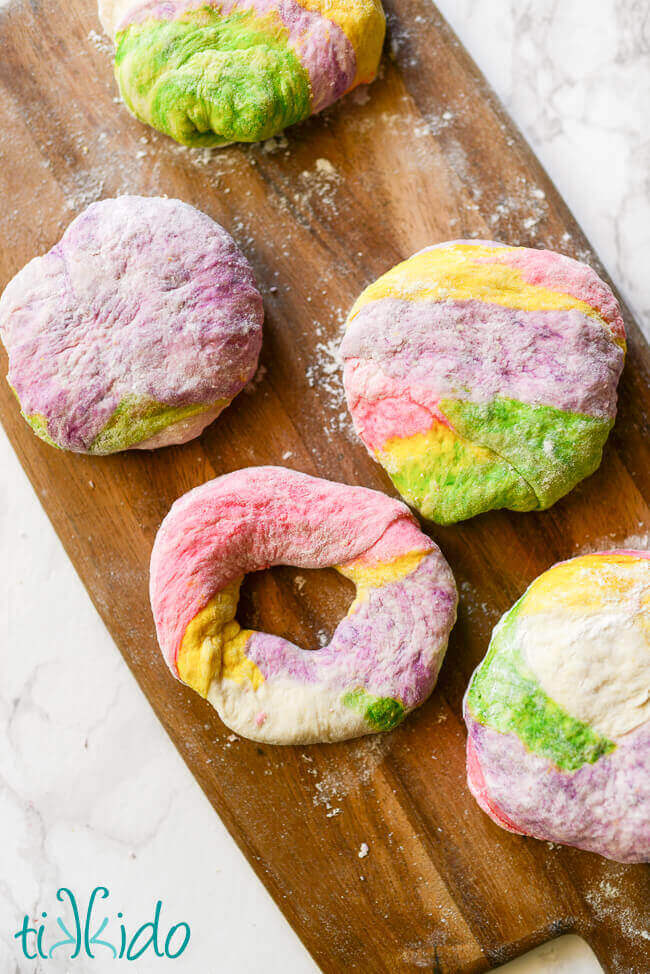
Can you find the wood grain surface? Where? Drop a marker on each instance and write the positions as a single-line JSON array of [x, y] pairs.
[[426, 154]]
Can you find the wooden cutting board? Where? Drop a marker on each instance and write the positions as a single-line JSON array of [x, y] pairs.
[[426, 154]]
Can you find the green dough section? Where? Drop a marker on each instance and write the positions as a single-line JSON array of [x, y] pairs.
[[551, 449], [505, 695], [449, 482], [530, 457], [137, 419], [382, 713], [208, 80], [39, 424], [37, 421]]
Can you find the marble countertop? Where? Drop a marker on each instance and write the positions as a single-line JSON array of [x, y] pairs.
[[91, 790]]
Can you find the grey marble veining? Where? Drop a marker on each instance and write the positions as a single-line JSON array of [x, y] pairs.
[[575, 77]]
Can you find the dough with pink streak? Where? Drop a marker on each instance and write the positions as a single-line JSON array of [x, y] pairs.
[[250, 520], [384, 657]]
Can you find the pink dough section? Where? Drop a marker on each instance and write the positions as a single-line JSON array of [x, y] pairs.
[[402, 538], [385, 408], [567, 276], [553, 271], [478, 788], [255, 518], [623, 551]]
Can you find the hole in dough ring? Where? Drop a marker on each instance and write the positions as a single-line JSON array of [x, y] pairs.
[[384, 657]]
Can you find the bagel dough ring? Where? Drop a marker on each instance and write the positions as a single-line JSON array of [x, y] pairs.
[[208, 73], [558, 712], [135, 331], [482, 376], [384, 657]]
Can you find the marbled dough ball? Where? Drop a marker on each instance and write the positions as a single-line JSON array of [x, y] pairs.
[[209, 73], [558, 712], [483, 376], [136, 330]]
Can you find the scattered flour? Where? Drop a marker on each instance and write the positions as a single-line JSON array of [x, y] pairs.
[[276, 144], [325, 374], [363, 758], [318, 186], [518, 217], [639, 541], [100, 41], [608, 899]]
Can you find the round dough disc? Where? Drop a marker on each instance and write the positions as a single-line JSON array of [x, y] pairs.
[[135, 330], [482, 376], [558, 712]]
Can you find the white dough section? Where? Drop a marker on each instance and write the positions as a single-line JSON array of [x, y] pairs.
[[112, 12], [282, 711], [594, 664], [183, 431], [566, 955]]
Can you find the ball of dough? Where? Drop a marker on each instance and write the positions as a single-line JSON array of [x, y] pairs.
[[482, 376], [136, 330], [210, 73], [558, 712], [384, 656]]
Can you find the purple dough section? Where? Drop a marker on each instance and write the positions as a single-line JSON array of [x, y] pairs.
[[475, 351], [603, 807], [391, 646], [142, 297]]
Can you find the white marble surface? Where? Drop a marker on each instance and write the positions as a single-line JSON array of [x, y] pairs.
[[575, 76], [91, 790]]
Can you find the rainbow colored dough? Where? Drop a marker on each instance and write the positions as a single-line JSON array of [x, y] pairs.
[[558, 712], [208, 73], [482, 376], [135, 331], [384, 656]]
